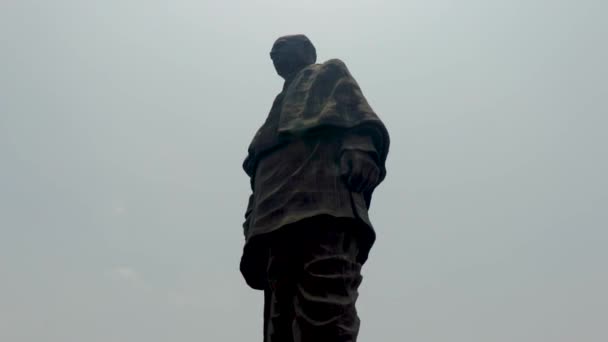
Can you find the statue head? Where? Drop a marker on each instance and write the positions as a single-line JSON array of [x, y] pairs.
[[291, 54]]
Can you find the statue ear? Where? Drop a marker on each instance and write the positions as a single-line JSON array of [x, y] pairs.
[[310, 53], [306, 51]]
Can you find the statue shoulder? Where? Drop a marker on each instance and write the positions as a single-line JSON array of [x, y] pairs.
[[335, 62], [333, 66], [336, 67]]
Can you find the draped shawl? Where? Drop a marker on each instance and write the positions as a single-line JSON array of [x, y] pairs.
[[321, 97]]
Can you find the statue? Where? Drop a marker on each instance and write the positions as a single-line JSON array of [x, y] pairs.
[[313, 166]]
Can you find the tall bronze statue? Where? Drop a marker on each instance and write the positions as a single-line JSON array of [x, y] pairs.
[[313, 166]]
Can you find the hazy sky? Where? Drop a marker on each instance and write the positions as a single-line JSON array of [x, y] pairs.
[[123, 125]]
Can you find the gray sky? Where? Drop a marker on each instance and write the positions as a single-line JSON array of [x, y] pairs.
[[123, 124]]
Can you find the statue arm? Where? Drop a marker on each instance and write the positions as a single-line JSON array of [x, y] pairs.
[[361, 141], [359, 161], [249, 170], [248, 211]]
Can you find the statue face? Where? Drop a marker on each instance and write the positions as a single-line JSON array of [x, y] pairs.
[[289, 54]]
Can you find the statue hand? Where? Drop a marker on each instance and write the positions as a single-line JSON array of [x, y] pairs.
[[359, 170]]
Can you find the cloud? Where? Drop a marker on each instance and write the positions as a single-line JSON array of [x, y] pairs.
[[126, 273], [118, 210]]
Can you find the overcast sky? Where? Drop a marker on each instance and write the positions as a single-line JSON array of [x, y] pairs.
[[123, 125]]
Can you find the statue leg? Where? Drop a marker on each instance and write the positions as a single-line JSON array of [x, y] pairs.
[[267, 303], [278, 297], [327, 283]]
